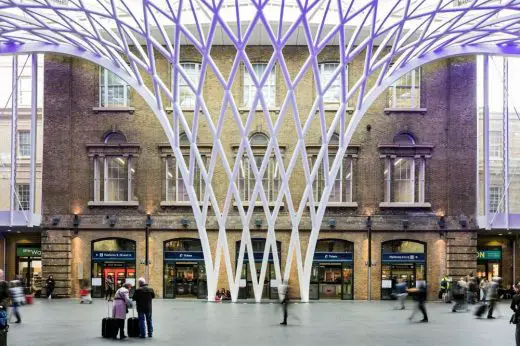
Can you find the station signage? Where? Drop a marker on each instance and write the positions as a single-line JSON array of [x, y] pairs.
[[489, 255], [333, 257], [29, 252], [403, 257], [113, 256], [183, 255], [258, 256]]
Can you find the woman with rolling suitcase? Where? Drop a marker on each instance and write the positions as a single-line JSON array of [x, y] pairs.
[[120, 309]]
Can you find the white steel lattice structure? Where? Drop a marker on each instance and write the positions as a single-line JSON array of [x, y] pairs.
[[125, 36]]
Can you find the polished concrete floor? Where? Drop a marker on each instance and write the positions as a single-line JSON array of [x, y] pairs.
[[197, 323]]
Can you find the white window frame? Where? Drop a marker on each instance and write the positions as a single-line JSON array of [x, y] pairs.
[[23, 204], [418, 185], [194, 75], [246, 180], [249, 88], [415, 91], [495, 196], [319, 181], [495, 144], [101, 162], [104, 87], [336, 84], [21, 154], [178, 180], [24, 81]]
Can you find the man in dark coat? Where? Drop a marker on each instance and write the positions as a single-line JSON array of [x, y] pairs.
[[143, 299]]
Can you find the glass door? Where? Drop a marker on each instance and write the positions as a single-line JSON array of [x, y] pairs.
[[170, 277], [314, 286], [330, 282], [347, 291], [202, 290]]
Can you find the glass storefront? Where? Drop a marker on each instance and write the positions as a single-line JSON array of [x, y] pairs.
[[270, 290], [332, 270], [489, 262], [29, 266], [112, 257], [184, 270], [402, 260]]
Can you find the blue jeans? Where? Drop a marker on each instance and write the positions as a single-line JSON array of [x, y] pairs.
[[149, 326]]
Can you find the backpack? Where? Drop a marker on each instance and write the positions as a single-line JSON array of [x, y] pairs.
[[3, 319]]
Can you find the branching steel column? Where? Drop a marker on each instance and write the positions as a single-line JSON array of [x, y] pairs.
[[34, 131], [14, 124], [505, 133], [486, 138]]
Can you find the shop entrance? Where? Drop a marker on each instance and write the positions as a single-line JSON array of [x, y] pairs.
[[402, 260], [270, 290], [489, 262], [332, 270], [184, 269], [29, 266], [113, 257]]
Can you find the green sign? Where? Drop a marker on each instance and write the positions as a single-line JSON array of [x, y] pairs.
[[29, 252], [489, 255]]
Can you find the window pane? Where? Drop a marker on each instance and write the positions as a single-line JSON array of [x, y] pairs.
[[170, 179], [113, 90], [24, 91], [23, 191], [24, 143], [402, 180], [405, 92], [268, 90], [186, 94], [332, 95], [347, 173], [495, 197], [117, 179]]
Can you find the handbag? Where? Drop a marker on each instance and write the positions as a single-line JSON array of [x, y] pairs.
[[513, 319]]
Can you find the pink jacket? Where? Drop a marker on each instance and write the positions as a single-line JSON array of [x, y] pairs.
[[120, 301]]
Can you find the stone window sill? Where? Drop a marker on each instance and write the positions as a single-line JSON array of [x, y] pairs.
[[178, 204], [338, 204], [246, 109], [256, 204], [421, 111], [333, 107], [184, 109], [404, 205], [113, 204], [130, 110]]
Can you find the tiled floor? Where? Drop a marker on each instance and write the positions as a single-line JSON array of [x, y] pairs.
[[194, 323]]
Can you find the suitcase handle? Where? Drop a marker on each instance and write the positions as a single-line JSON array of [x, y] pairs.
[[108, 308]]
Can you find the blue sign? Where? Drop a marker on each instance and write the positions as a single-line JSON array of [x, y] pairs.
[[113, 256], [333, 257], [258, 256], [183, 256], [403, 257]]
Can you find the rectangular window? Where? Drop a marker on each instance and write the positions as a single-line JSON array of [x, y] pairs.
[[24, 143], [341, 191], [186, 95], [114, 179], [176, 189], [495, 197], [247, 181], [406, 91], [23, 192], [404, 180], [24, 90], [333, 94], [495, 144], [268, 90], [113, 91]]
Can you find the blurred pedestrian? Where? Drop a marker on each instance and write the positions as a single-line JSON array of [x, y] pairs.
[[284, 296], [120, 309], [515, 306], [492, 296], [472, 288], [420, 297], [400, 293], [143, 299], [4, 301], [109, 288], [17, 299], [49, 285], [483, 289], [459, 290], [443, 287]]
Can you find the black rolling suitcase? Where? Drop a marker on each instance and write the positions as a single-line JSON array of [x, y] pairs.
[[109, 325], [132, 325], [481, 309]]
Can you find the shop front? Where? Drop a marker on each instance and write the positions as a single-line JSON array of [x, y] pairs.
[[113, 257], [402, 260], [332, 270], [29, 266], [184, 269], [489, 262], [270, 290]]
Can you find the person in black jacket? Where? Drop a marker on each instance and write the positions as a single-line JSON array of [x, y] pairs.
[[50, 284], [143, 299], [515, 306], [420, 296]]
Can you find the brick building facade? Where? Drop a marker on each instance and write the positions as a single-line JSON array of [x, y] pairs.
[[443, 129]]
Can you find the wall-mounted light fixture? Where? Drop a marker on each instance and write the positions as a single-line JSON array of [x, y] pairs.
[[149, 220], [258, 222], [332, 223], [55, 220], [406, 224], [368, 222], [185, 222], [112, 220], [76, 221], [463, 221]]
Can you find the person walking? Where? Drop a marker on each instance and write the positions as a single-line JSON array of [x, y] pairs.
[[284, 295], [50, 284], [143, 296], [420, 297], [120, 308], [109, 288], [459, 295], [17, 299], [483, 289], [400, 292], [515, 306], [443, 286], [492, 296]]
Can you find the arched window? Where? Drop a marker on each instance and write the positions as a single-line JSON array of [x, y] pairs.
[[334, 245], [404, 172], [113, 244], [183, 244], [403, 246], [246, 178], [342, 185], [115, 138]]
